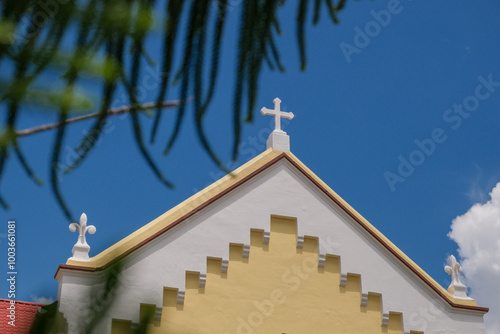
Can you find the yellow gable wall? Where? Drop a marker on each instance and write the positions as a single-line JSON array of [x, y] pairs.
[[278, 289]]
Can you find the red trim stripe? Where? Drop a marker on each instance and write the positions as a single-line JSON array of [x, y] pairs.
[[317, 184]]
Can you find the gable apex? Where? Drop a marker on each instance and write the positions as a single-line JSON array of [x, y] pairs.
[[218, 190]]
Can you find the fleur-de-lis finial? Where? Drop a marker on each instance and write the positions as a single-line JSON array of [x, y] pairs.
[[81, 248], [457, 288]]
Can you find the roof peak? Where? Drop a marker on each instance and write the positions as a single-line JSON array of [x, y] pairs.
[[278, 139]]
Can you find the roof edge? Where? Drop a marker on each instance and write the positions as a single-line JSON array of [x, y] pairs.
[[226, 184], [177, 214], [373, 231]]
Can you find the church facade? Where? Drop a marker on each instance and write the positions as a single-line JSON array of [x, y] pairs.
[[268, 249]]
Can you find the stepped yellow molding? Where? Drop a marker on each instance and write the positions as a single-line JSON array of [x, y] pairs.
[[283, 292], [225, 185]]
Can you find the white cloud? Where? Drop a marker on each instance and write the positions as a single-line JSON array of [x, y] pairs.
[[42, 300], [477, 233]]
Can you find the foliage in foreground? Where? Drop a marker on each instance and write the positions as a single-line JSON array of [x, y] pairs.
[[107, 42], [49, 320]]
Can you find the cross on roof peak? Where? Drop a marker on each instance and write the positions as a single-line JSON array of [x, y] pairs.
[[277, 113], [278, 139]]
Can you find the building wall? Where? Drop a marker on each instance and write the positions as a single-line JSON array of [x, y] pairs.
[[277, 289], [280, 190]]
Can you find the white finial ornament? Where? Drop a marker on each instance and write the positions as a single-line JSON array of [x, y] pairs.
[[457, 288], [81, 248], [278, 139]]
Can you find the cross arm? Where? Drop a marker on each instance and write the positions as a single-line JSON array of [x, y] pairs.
[[265, 111]]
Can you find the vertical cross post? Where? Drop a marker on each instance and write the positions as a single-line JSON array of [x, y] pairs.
[[278, 139], [277, 113]]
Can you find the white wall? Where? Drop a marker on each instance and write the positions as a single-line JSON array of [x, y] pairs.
[[279, 190]]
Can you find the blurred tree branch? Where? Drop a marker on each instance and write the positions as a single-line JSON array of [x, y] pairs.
[[111, 112], [106, 40]]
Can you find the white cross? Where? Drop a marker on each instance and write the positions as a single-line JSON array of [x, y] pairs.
[[277, 113]]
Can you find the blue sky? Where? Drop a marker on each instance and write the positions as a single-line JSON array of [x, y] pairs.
[[357, 117]]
